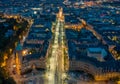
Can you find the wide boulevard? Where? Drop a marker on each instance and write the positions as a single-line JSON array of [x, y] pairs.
[[56, 61]]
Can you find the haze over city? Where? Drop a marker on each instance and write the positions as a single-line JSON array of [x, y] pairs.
[[60, 42]]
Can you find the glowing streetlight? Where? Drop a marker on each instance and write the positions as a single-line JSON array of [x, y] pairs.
[[35, 12], [24, 52]]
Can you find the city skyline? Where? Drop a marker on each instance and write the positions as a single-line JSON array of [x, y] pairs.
[[59, 42]]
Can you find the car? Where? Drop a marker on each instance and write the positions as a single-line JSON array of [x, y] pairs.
[[25, 76]]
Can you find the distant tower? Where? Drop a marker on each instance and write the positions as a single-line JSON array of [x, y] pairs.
[[60, 15]]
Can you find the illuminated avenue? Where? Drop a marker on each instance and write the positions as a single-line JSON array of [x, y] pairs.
[[62, 42], [56, 63]]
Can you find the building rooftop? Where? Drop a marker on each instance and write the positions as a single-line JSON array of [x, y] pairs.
[[19, 47], [33, 56]]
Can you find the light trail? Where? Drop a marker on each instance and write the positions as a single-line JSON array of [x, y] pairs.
[[53, 59], [56, 61]]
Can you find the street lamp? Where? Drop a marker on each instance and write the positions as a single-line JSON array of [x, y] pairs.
[[24, 52]]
